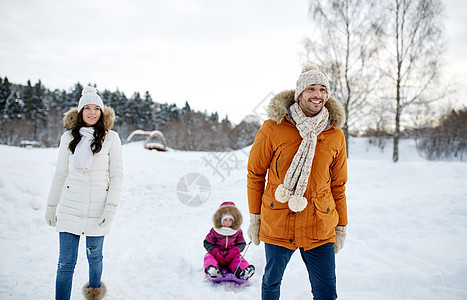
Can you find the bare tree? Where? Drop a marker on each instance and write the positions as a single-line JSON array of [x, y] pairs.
[[414, 60], [346, 49]]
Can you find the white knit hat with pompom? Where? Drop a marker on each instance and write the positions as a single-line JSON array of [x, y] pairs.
[[89, 96], [310, 75]]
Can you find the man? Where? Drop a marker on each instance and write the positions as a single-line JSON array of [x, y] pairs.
[[302, 150]]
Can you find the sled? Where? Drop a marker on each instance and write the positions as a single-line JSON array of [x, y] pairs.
[[227, 276]]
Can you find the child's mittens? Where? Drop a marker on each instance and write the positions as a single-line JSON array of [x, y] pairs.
[[234, 251], [219, 256], [253, 229]]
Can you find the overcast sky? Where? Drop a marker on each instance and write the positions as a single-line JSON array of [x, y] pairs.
[[224, 56]]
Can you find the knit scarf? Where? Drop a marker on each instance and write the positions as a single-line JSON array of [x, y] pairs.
[[82, 158], [296, 178]]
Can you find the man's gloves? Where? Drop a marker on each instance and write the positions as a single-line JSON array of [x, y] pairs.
[[51, 215], [340, 238], [108, 215], [253, 229]]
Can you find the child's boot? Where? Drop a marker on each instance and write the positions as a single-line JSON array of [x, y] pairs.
[[213, 271], [246, 273]]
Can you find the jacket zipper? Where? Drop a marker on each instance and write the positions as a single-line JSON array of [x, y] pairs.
[[330, 169], [277, 164]]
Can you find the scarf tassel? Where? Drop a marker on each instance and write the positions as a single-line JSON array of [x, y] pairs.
[[297, 203], [282, 194]]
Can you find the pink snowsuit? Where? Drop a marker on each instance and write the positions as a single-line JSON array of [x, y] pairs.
[[225, 239], [224, 244]]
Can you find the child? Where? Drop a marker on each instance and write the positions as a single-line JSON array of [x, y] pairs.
[[225, 242]]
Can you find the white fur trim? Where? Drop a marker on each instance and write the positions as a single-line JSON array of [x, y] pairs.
[[297, 203], [225, 231]]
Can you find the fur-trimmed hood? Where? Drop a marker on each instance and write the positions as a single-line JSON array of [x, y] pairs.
[[278, 106], [227, 208], [70, 118]]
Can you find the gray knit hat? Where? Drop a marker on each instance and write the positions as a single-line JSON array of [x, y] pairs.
[[310, 75], [89, 96]]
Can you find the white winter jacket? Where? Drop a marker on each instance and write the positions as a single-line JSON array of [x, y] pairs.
[[82, 196]]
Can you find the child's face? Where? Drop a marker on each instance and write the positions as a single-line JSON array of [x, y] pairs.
[[228, 222]]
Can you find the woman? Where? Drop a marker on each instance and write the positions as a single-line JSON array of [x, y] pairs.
[[86, 189]]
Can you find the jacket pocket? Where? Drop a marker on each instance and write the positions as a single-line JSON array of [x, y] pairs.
[[325, 217], [274, 215]]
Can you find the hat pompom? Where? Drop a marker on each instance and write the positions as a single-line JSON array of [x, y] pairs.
[[309, 67], [89, 89], [297, 203], [89, 96]]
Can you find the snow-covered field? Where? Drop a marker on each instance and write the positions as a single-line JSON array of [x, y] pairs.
[[406, 239]]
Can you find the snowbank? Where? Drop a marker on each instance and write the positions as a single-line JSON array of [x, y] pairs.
[[406, 238]]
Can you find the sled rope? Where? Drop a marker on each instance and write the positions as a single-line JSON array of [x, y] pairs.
[[243, 256]]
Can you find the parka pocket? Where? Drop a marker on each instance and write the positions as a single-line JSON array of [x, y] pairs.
[[325, 217], [274, 215]]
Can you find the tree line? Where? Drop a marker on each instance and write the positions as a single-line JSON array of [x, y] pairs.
[[35, 113]]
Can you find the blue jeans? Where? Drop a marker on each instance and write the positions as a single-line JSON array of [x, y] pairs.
[[67, 260], [320, 263]]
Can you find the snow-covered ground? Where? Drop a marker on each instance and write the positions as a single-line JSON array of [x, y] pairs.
[[406, 239]]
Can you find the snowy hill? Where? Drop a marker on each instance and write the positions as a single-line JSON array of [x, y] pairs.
[[406, 237]]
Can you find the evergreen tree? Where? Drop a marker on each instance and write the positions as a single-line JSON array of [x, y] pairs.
[[38, 95], [27, 96], [54, 101], [73, 97], [5, 91], [106, 97], [164, 113], [133, 111], [148, 106], [14, 108], [119, 103]]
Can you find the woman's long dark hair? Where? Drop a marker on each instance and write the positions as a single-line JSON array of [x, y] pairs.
[[99, 133]]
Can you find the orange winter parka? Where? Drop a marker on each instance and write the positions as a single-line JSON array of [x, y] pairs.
[[272, 152]]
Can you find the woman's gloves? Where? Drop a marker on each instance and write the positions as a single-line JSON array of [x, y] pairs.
[[340, 238], [51, 215], [253, 229], [108, 215]]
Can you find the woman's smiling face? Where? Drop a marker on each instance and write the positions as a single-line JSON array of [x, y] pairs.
[[91, 114]]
